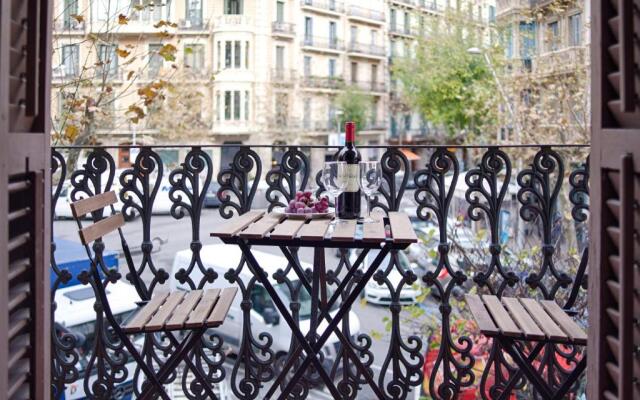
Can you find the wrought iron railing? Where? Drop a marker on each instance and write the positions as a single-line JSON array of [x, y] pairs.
[[506, 198]]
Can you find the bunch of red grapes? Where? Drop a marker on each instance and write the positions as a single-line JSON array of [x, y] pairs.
[[303, 203]]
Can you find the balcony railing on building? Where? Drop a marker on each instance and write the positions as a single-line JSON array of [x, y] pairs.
[[70, 24], [329, 5], [366, 49], [411, 3], [323, 43], [322, 82], [283, 28], [405, 30], [283, 76], [431, 5], [366, 13], [370, 86], [475, 208], [194, 24]]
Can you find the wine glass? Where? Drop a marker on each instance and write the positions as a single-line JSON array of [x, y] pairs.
[[370, 180], [334, 178]]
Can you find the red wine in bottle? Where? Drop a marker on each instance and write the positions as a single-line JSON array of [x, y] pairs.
[[349, 200]]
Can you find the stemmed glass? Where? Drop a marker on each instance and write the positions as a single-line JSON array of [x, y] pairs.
[[334, 174], [370, 180]]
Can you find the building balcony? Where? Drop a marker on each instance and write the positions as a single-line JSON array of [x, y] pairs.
[[430, 5], [193, 25], [283, 29], [356, 49], [322, 45], [365, 15], [405, 3], [370, 86], [283, 76], [69, 26], [330, 7], [477, 212], [397, 30], [322, 82], [233, 23]]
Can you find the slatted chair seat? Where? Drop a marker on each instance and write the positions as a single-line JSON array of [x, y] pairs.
[[526, 319], [510, 319], [183, 310], [193, 312]]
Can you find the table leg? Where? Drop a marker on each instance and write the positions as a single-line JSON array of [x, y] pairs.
[[325, 315], [253, 265], [346, 305], [514, 379], [571, 379]]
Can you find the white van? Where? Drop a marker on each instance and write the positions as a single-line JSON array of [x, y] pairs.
[[264, 315], [75, 314]]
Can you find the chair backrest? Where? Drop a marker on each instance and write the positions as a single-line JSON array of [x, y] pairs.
[[103, 227]]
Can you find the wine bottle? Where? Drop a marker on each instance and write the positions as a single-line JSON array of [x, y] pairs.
[[349, 200]]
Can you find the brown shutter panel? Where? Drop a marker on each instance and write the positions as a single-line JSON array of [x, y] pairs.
[[614, 281], [25, 330]]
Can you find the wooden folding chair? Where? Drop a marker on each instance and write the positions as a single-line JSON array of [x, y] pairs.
[[510, 319], [195, 311]]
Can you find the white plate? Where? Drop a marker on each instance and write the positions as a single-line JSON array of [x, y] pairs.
[[328, 214]]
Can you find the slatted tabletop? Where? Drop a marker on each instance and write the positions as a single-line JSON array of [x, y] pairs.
[[524, 318], [183, 310], [259, 227]]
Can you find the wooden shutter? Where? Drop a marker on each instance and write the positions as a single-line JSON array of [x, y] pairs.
[[24, 199], [614, 309]]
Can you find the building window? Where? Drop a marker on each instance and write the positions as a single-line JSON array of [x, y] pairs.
[[575, 30], [236, 105], [354, 34], [393, 49], [308, 30], [333, 35], [108, 59], [194, 13], [237, 54], [354, 72], [492, 13], [553, 38], [280, 11], [233, 7], [394, 127], [143, 10], [70, 62], [392, 19], [155, 60], [332, 67], [507, 39], [246, 105], [307, 66], [527, 40], [227, 54], [407, 122], [194, 56], [374, 76], [279, 60], [227, 105], [70, 9], [407, 23]]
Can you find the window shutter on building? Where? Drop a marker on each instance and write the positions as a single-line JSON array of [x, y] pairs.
[[614, 301], [24, 199]]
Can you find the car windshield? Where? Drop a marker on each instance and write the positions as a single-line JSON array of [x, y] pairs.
[[304, 298]]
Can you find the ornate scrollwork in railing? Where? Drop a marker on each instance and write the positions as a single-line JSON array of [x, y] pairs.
[[236, 190], [63, 343], [290, 175], [488, 194], [106, 366], [434, 198]]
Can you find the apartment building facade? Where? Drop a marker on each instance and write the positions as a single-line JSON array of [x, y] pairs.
[[263, 71]]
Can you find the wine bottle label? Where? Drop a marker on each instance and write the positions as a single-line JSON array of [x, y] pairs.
[[352, 172]]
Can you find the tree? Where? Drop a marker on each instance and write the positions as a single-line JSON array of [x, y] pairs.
[[444, 82], [354, 105], [106, 82]]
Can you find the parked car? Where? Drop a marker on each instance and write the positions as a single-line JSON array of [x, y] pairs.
[[380, 294], [264, 316], [211, 198]]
